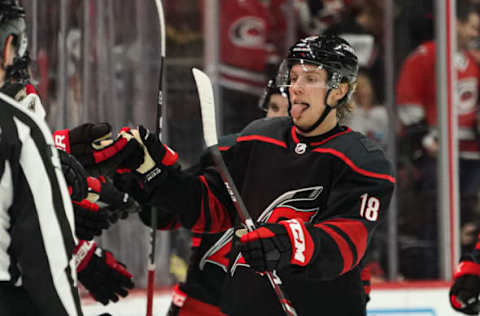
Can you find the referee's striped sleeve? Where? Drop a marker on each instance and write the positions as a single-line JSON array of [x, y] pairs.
[[42, 236]]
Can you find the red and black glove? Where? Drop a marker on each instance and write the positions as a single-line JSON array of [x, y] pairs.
[[275, 246], [99, 272], [119, 204], [90, 219], [75, 176], [94, 148], [466, 286], [157, 159]]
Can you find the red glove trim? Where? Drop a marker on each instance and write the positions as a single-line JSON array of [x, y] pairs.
[[302, 243], [111, 262], [110, 151], [61, 139], [30, 89], [196, 241], [94, 185], [170, 157], [259, 233], [83, 252], [467, 267], [123, 170], [86, 204], [178, 296]]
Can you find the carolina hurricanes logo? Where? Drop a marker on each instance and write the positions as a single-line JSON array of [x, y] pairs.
[[466, 95], [248, 31], [301, 204]]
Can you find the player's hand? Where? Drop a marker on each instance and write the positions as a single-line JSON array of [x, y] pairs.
[[466, 288], [75, 176], [157, 157], [119, 204], [90, 219], [275, 246], [95, 149], [101, 274]]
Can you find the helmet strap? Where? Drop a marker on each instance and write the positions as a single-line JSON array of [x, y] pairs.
[[322, 117]]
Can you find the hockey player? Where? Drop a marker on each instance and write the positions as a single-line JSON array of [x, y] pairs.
[[317, 190], [200, 294], [36, 216]]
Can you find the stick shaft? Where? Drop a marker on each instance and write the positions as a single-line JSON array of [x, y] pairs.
[[158, 128]]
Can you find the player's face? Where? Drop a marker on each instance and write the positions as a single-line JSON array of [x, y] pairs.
[[308, 88], [278, 106], [468, 30]]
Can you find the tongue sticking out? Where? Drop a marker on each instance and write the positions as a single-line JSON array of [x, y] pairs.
[[297, 110]]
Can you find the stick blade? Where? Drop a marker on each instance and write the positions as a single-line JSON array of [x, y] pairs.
[[207, 106]]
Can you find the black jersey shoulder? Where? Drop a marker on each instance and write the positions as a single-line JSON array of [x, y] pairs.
[[228, 140], [358, 151], [274, 127]]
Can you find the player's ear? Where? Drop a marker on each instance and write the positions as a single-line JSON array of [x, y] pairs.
[[340, 92], [8, 52]]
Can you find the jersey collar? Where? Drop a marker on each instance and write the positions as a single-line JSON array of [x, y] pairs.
[[319, 139]]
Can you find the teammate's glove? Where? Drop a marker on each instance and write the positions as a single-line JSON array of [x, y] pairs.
[[99, 272], [75, 176], [466, 286], [90, 219], [94, 148], [120, 204], [157, 157], [275, 246]]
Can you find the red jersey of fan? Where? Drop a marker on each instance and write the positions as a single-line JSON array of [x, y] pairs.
[[243, 49], [416, 94]]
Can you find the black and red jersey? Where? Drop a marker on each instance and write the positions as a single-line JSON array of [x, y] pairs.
[[339, 184]]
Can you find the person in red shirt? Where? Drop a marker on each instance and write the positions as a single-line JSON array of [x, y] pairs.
[[417, 110]]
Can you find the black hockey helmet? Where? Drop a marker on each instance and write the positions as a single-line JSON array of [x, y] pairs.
[[12, 22], [270, 89], [329, 52]]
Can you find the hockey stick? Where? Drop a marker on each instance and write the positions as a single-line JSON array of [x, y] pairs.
[[207, 105], [158, 127]]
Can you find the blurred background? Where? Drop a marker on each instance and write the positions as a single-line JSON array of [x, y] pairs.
[[99, 61]]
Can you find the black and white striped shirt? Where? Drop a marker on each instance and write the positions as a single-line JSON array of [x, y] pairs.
[[36, 216]]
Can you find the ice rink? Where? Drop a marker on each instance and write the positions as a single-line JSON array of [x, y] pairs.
[[133, 305]]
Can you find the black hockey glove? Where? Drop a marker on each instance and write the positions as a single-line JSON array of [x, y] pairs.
[[275, 246], [75, 176], [99, 272], [120, 204], [90, 219], [93, 146], [157, 157], [466, 286]]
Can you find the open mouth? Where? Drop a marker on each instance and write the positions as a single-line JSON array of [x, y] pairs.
[[298, 108]]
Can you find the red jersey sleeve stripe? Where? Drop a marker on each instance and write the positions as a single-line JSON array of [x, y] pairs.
[[224, 148], [355, 167], [355, 230], [262, 139], [342, 245], [215, 210]]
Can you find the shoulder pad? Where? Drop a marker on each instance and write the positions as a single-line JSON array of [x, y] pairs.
[[272, 127]]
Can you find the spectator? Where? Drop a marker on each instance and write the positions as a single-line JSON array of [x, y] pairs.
[[418, 114]]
